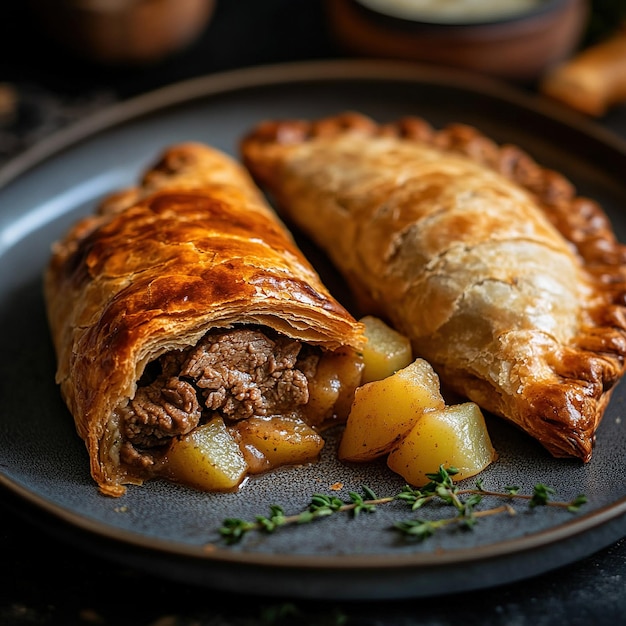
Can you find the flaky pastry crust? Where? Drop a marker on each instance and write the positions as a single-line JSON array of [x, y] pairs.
[[507, 281], [192, 248]]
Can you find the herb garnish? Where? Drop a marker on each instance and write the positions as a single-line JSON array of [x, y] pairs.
[[441, 488]]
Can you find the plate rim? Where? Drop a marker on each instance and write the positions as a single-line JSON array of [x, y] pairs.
[[212, 84], [526, 543]]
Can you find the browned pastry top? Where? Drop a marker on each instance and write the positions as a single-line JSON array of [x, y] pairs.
[[193, 247]]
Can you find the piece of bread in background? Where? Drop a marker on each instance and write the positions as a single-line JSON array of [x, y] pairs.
[[592, 81]]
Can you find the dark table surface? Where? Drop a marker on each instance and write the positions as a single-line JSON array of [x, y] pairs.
[[48, 581]]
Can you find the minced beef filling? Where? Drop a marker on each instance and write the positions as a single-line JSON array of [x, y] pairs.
[[237, 374]]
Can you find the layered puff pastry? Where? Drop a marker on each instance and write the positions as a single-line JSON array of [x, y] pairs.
[[185, 298], [508, 282]]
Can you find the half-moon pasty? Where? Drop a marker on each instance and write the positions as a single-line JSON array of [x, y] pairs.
[[185, 298], [510, 284]]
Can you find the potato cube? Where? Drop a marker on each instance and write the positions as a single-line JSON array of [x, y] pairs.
[[386, 350], [279, 440], [207, 458], [331, 391], [384, 411], [455, 436]]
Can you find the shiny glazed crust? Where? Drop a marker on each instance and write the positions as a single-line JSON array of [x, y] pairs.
[[193, 247], [510, 284]]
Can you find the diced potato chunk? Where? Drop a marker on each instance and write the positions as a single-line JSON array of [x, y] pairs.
[[207, 458], [384, 411], [268, 443], [332, 390], [455, 436], [386, 350]]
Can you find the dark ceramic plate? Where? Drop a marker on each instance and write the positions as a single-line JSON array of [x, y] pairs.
[[173, 531]]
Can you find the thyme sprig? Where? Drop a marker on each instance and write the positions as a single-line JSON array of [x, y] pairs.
[[441, 488]]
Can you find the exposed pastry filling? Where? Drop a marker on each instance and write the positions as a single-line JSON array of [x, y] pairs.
[[235, 374]]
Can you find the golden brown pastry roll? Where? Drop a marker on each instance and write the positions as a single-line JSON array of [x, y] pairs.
[[185, 299], [511, 285], [593, 80]]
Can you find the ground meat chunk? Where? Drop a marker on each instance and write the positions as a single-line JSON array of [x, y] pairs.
[[135, 458], [245, 373], [237, 373], [164, 409]]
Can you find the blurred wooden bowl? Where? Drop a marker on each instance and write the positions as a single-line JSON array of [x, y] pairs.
[[124, 31], [518, 47]]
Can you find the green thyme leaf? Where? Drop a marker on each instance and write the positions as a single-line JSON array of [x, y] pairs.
[[441, 489]]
